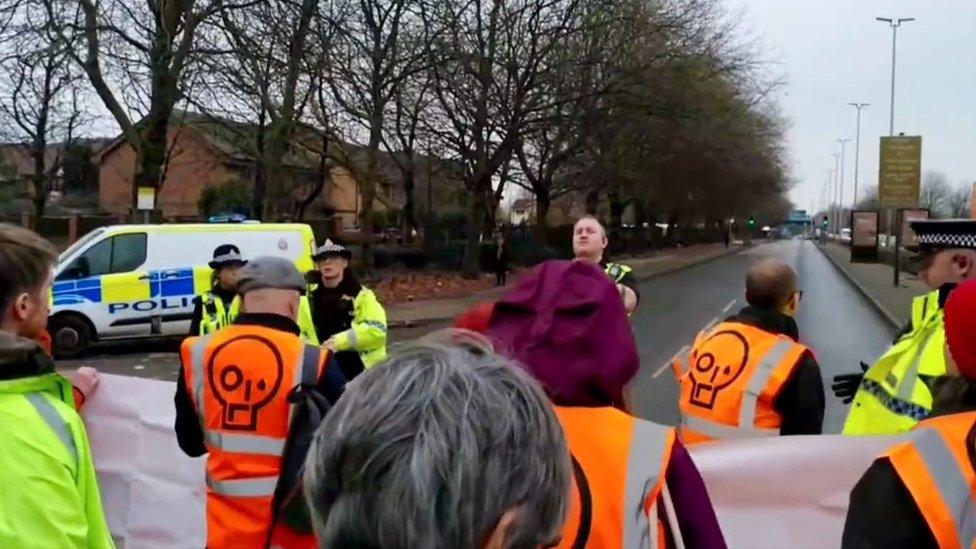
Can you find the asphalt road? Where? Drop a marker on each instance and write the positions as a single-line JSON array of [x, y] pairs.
[[836, 321], [840, 325]]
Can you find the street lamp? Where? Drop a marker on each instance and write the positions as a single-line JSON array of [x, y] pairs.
[[842, 142], [894, 23], [836, 216], [857, 145]]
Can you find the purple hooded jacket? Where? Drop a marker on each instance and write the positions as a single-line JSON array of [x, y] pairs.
[[566, 325]]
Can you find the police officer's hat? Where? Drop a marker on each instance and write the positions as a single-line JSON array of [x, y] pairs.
[[227, 254], [332, 248], [943, 234]]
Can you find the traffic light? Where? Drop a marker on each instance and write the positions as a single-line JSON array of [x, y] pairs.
[[752, 222]]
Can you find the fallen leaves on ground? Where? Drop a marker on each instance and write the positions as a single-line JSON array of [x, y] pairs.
[[405, 287]]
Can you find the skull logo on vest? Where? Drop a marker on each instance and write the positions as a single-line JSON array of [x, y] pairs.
[[719, 361], [244, 374]]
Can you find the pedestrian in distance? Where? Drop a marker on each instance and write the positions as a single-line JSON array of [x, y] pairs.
[[590, 246], [446, 445], [920, 493], [49, 495], [501, 260], [346, 313], [242, 397], [896, 392], [217, 308], [565, 324], [750, 376]]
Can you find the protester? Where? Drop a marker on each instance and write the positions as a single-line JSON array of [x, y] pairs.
[[567, 326], [346, 313], [445, 445], [895, 394], [920, 493], [589, 246], [217, 308], [49, 495], [501, 260], [749, 376], [234, 398]]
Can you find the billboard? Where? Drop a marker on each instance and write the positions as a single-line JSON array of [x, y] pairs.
[[900, 171], [864, 236], [908, 238]]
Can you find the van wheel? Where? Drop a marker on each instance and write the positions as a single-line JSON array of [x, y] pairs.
[[70, 336]]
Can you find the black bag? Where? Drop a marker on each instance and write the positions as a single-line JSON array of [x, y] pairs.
[[289, 507]]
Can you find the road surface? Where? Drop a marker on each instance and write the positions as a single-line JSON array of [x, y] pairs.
[[836, 321]]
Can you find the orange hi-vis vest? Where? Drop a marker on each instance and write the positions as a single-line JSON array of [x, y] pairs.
[[935, 467], [734, 374], [239, 380], [619, 464]]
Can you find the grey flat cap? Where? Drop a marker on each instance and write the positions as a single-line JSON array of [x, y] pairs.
[[270, 272]]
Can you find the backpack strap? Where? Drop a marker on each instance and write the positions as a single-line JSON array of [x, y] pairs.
[[311, 355], [586, 505]]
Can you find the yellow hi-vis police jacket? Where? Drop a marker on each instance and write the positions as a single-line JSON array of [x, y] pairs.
[[367, 335], [224, 318], [892, 398]]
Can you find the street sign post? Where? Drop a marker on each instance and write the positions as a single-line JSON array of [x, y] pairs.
[[899, 180], [146, 202]]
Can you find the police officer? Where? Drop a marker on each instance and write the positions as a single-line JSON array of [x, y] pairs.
[[920, 492], [217, 308], [750, 376], [589, 244], [233, 402], [346, 314], [895, 394]]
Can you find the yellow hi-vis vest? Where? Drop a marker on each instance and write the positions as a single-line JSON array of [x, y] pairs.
[[224, 318], [892, 398], [617, 271]]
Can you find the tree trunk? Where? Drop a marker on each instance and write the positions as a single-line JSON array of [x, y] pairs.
[[260, 175], [592, 201], [368, 191], [409, 184], [153, 155], [39, 178], [323, 178], [471, 267], [542, 205]]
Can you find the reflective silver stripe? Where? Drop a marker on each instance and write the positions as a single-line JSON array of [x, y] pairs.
[[644, 465], [950, 481], [906, 387], [722, 431], [198, 351], [375, 324], [57, 423], [760, 378], [353, 339], [245, 444], [243, 488]]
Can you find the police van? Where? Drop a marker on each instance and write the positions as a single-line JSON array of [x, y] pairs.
[[137, 281]]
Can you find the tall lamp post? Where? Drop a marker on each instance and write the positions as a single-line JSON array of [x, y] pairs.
[[857, 146], [835, 218], [894, 23], [840, 215]]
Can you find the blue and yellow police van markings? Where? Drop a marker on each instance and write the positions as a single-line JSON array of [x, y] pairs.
[[160, 289]]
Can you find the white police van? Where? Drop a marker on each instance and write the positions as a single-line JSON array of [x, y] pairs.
[[134, 281]]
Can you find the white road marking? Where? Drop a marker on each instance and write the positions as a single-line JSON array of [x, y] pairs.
[[138, 367], [667, 364], [684, 349]]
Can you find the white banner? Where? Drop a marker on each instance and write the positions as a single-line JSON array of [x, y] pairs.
[[152, 492], [785, 491], [767, 493]]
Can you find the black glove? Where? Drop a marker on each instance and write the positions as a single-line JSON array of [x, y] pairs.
[[845, 385]]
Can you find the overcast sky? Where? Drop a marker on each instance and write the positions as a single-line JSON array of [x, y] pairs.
[[832, 52]]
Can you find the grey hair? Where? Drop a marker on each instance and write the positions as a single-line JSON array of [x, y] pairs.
[[432, 447]]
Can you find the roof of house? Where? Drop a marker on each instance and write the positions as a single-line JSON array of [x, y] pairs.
[[523, 204]]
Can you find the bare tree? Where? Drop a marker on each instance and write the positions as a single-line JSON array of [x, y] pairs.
[[39, 95], [488, 59]]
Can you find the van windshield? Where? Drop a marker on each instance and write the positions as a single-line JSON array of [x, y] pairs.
[[80, 243]]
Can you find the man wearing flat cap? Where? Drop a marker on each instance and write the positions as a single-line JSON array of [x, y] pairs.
[[896, 392], [347, 316], [234, 401]]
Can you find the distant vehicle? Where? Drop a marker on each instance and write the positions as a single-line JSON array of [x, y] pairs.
[[134, 281], [845, 235]]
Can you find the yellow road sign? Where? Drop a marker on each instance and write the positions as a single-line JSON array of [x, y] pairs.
[[901, 168]]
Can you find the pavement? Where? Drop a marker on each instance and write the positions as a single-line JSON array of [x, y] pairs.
[[836, 320], [158, 359], [876, 282]]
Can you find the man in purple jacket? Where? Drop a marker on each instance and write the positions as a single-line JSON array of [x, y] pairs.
[[565, 324]]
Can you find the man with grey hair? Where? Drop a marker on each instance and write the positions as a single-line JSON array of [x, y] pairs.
[[443, 446]]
